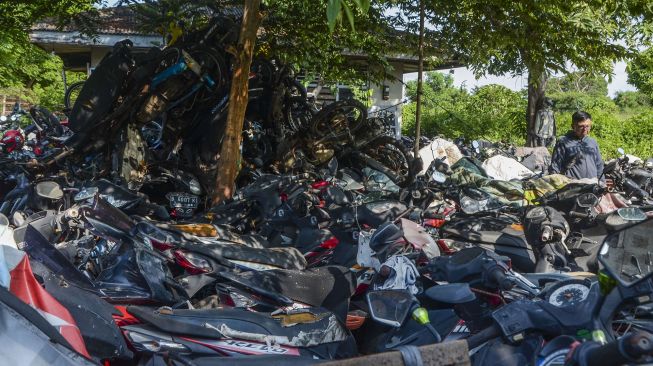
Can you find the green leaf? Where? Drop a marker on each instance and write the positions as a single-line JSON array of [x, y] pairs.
[[349, 14], [333, 9], [363, 5]]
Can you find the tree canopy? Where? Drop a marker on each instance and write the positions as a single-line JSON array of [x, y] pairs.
[[537, 38], [640, 71], [297, 32], [18, 16]]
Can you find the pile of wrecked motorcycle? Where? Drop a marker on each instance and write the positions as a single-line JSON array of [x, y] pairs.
[[336, 244]]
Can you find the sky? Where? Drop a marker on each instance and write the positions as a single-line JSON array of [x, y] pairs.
[[464, 76]]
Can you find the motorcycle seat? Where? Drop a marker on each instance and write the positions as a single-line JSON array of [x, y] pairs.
[[327, 287], [286, 258], [243, 324]]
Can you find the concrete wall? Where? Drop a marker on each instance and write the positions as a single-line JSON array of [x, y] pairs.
[[397, 90]]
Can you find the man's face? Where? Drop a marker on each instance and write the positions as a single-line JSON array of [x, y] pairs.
[[582, 128]]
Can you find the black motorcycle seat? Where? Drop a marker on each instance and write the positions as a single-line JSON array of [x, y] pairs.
[[476, 236], [327, 287], [286, 258], [208, 323]]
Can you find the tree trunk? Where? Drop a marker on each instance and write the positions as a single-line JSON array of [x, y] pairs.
[[238, 95], [536, 90], [420, 75]]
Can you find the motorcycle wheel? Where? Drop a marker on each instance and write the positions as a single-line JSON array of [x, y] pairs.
[[339, 119], [72, 92], [392, 155], [214, 65]]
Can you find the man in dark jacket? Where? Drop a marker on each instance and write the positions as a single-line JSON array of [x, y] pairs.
[[577, 155]]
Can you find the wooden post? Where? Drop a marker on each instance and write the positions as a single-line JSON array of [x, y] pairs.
[[420, 76], [442, 354], [230, 150]]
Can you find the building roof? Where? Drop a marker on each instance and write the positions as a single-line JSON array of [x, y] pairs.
[[115, 21]]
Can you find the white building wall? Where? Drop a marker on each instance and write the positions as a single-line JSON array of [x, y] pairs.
[[397, 91]]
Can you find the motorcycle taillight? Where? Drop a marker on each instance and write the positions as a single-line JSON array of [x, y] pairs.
[[162, 246], [434, 222], [446, 246], [193, 263], [319, 184], [330, 243]]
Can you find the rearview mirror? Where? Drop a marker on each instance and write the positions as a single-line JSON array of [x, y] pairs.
[[49, 190], [389, 307], [3, 118], [475, 144], [621, 151], [627, 255]]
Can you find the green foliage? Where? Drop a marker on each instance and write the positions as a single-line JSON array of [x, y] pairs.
[[640, 72], [499, 36], [632, 100], [536, 38], [296, 33], [490, 112], [495, 113], [31, 74], [574, 101], [579, 81], [18, 16], [336, 8]]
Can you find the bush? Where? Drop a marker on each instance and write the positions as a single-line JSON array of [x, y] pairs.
[[574, 101], [632, 100], [491, 112], [496, 113]]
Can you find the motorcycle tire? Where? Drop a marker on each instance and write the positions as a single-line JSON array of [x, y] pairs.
[[392, 155], [214, 65], [339, 119], [72, 92]]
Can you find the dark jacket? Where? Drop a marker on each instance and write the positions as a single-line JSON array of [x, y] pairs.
[[588, 162]]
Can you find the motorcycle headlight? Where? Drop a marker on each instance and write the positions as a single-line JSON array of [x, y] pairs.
[[536, 214], [195, 187], [469, 205]]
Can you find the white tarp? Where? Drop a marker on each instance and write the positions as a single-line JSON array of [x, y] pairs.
[[439, 148], [504, 168]]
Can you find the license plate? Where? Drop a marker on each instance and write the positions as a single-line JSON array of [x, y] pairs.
[[183, 200]]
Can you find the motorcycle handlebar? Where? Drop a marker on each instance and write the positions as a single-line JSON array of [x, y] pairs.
[[501, 279], [627, 349], [483, 336], [579, 215]]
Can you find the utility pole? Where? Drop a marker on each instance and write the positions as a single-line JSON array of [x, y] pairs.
[[420, 76]]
